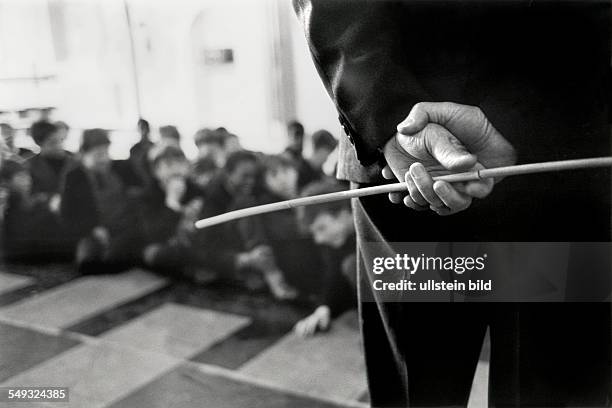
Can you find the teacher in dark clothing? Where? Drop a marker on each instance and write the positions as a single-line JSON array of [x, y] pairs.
[[430, 87]]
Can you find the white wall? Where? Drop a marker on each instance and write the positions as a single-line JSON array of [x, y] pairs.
[[314, 107], [85, 44]]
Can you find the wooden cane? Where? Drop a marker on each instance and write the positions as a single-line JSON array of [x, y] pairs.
[[399, 187]]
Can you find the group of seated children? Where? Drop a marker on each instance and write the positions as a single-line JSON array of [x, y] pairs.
[[110, 215]]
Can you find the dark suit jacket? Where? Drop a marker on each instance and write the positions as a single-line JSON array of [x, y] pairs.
[[540, 71], [44, 178], [80, 209]]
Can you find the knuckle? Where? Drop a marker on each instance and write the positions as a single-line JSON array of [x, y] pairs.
[[476, 110]]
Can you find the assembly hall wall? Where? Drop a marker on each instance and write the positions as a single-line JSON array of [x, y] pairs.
[[242, 64]]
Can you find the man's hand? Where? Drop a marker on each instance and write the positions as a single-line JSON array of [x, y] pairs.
[[440, 138]]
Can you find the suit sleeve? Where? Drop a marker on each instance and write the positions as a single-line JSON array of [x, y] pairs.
[[361, 55], [78, 208]]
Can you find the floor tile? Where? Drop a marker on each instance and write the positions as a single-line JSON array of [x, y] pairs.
[[21, 349], [328, 365], [235, 350], [96, 374], [82, 298], [479, 394], [10, 282], [186, 387], [176, 330]]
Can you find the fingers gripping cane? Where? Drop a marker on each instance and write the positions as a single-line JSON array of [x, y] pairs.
[[399, 187]]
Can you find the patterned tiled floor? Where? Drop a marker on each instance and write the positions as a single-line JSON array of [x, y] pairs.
[[139, 340]]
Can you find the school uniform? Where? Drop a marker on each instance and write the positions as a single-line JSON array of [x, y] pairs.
[[158, 224], [295, 253], [48, 172], [93, 199], [31, 232]]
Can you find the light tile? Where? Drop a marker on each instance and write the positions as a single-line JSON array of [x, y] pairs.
[[96, 374], [82, 298], [186, 387], [329, 365], [479, 395], [10, 282], [177, 330]]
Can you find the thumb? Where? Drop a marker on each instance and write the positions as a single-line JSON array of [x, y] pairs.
[[414, 122], [446, 148], [423, 113]]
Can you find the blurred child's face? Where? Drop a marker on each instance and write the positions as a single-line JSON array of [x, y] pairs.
[[211, 150], [332, 229], [54, 144], [283, 182], [97, 158], [63, 133], [296, 139], [232, 144], [21, 182], [202, 179], [168, 169], [169, 141], [242, 179]]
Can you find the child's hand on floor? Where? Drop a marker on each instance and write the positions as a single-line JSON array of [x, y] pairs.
[[319, 320], [150, 253]]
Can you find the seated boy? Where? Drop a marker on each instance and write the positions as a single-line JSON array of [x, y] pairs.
[[211, 145], [323, 144], [169, 136], [331, 225], [203, 171], [166, 213], [293, 251], [49, 167], [31, 231], [223, 247], [93, 208]]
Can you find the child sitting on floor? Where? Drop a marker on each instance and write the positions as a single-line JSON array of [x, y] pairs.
[[331, 226], [166, 213], [31, 229], [93, 208], [292, 251], [225, 248]]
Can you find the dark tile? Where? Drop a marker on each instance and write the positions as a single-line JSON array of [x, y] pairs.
[[271, 319], [24, 348], [46, 277], [187, 387], [114, 317], [243, 345]]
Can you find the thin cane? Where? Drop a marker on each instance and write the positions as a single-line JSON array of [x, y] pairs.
[[507, 171]]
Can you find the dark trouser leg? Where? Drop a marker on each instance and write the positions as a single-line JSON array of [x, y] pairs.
[[417, 354], [550, 355]]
